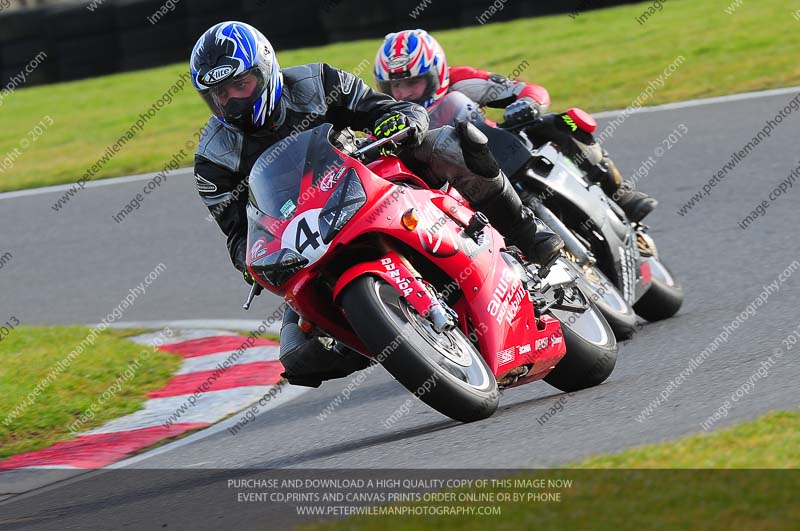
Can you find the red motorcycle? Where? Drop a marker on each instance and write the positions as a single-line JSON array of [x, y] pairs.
[[413, 278]]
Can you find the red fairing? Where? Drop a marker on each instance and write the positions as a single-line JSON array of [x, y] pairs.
[[582, 119], [494, 304], [393, 270]]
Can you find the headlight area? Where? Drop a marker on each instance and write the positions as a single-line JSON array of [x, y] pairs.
[[276, 268], [342, 205]]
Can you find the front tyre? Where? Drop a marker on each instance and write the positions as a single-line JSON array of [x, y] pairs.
[[444, 370], [605, 295]]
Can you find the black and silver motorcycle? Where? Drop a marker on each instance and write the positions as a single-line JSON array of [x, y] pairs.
[[619, 264]]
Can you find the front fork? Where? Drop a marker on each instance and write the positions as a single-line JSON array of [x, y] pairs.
[[395, 270]]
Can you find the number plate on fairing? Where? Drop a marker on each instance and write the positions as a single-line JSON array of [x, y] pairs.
[[303, 236]]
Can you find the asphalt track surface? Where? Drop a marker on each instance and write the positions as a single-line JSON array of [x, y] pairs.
[[74, 266]]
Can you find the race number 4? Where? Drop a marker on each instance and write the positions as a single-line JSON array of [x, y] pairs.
[[303, 235]]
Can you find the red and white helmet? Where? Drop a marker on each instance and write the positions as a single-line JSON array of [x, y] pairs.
[[411, 66]]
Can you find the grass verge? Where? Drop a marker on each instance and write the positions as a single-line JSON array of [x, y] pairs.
[[108, 379], [599, 60], [619, 492]]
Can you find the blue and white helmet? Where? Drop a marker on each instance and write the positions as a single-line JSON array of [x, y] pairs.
[[235, 70]]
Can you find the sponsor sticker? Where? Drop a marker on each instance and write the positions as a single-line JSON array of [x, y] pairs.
[[394, 273], [348, 80], [258, 249], [331, 179], [541, 343], [218, 74], [504, 357], [204, 185], [288, 209], [399, 62]]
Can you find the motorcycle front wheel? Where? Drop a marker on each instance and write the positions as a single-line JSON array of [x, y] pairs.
[[605, 295], [443, 369]]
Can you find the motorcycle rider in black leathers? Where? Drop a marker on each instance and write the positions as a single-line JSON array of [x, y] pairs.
[[255, 104]]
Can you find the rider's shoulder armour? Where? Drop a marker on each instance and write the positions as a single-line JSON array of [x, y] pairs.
[[221, 145], [305, 89]]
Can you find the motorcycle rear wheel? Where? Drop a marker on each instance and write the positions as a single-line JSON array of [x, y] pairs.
[[444, 370]]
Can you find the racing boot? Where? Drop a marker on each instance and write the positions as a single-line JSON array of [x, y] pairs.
[[634, 203], [572, 131], [500, 203], [520, 227], [309, 359]]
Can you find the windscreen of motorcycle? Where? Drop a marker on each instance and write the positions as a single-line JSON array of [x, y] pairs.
[[277, 176], [454, 107]]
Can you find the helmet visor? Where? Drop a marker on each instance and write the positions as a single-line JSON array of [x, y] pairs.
[[416, 89], [233, 100]]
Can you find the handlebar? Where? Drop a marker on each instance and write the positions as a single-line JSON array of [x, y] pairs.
[[255, 291], [380, 143]]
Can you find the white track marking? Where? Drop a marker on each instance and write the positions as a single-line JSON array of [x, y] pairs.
[[605, 114], [180, 172], [212, 325], [704, 101]]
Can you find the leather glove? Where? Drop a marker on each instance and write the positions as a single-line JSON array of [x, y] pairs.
[[248, 277], [391, 123], [522, 111]]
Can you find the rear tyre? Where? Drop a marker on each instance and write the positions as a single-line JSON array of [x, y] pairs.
[[591, 348], [444, 370], [665, 296]]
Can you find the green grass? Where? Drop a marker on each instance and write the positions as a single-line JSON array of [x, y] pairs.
[[772, 441], [28, 354], [600, 60], [624, 495]]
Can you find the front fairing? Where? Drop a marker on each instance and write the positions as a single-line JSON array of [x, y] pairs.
[[302, 192], [568, 182]]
